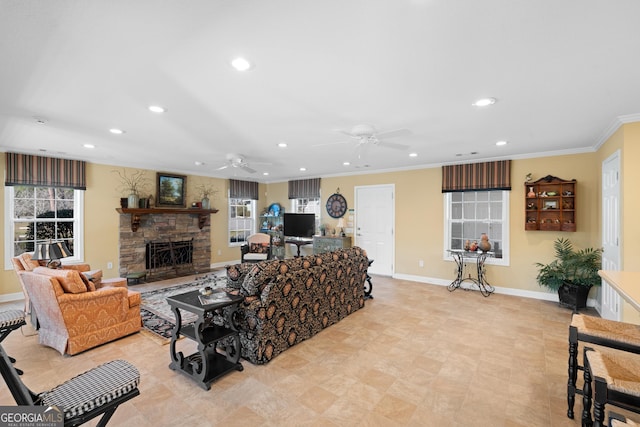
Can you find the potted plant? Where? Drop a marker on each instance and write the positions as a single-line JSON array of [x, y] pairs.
[[206, 191], [572, 273], [132, 185]]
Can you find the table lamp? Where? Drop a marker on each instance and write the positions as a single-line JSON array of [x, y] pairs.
[[52, 252], [340, 225]]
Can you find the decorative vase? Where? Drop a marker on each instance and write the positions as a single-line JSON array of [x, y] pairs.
[[206, 203], [467, 245], [133, 200], [531, 192], [484, 244]]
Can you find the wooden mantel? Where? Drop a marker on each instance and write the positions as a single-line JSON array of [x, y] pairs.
[[137, 213]]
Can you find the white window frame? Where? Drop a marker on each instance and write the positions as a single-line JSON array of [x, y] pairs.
[[9, 228], [308, 205], [447, 199], [253, 217]]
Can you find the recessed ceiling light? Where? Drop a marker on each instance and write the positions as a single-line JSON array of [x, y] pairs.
[[241, 64], [501, 143], [157, 109], [413, 155], [484, 102], [346, 163], [40, 120], [265, 173], [303, 169], [89, 146], [198, 163], [282, 144], [116, 131]]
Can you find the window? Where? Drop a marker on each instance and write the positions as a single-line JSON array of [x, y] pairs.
[[307, 205], [471, 213], [242, 220], [36, 214]]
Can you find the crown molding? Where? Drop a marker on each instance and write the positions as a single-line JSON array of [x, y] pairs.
[[613, 127]]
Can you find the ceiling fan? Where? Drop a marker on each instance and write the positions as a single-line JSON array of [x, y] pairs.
[[367, 136], [237, 161]]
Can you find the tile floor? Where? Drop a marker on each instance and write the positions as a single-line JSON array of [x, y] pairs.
[[416, 355]]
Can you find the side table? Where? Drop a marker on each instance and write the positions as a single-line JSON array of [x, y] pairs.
[[207, 364], [480, 280]]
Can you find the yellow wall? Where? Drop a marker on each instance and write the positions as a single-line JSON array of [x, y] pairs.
[[627, 140], [418, 212]]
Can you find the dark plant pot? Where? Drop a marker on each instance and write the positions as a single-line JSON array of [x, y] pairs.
[[573, 296], [124, 202]]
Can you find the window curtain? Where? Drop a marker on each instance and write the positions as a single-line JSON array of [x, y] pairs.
[[26, 169], [477, 176], [243, 189], [304, 188]]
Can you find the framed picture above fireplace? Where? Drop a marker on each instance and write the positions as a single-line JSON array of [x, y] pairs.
[[171, 190]]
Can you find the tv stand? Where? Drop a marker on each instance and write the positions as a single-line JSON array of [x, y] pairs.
[[299, 241]]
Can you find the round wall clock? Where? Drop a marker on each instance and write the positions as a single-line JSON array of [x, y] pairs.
[[336, 205]]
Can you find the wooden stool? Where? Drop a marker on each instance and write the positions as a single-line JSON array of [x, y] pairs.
[[617, 382], [136, 277], [594, 330]]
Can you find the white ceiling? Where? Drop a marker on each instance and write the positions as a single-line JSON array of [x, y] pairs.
[[564, 73]]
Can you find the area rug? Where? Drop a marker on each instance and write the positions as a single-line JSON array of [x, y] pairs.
[[157, 318]]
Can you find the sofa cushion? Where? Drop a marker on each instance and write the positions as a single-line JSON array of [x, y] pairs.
[[70, 280], [260, 275]]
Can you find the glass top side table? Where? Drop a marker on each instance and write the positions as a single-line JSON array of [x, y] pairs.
[[479, 282]]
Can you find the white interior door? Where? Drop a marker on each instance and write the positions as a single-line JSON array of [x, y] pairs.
[[374, 225], [609, 298]]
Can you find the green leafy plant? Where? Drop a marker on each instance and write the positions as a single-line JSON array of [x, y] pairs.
[[570, 266]]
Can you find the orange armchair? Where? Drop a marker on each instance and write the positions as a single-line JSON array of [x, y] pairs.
[[23, 263], [74, 318]]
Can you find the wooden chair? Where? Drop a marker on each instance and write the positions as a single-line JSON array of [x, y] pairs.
[[602, 332], [617, 382], [96, 392], [257, 248]]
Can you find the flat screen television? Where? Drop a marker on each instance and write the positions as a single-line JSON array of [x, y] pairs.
[[299, 224]]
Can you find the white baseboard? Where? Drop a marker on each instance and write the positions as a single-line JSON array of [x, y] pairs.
[[17, 296], [540, 295], [224, 263]]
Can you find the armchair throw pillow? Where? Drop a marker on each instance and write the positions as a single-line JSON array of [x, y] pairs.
[[259, 248], [70, 280]]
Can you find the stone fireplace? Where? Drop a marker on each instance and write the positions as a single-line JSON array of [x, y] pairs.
[[181, 237]]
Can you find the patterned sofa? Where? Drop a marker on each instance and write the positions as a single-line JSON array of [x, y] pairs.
[[288, 301]]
